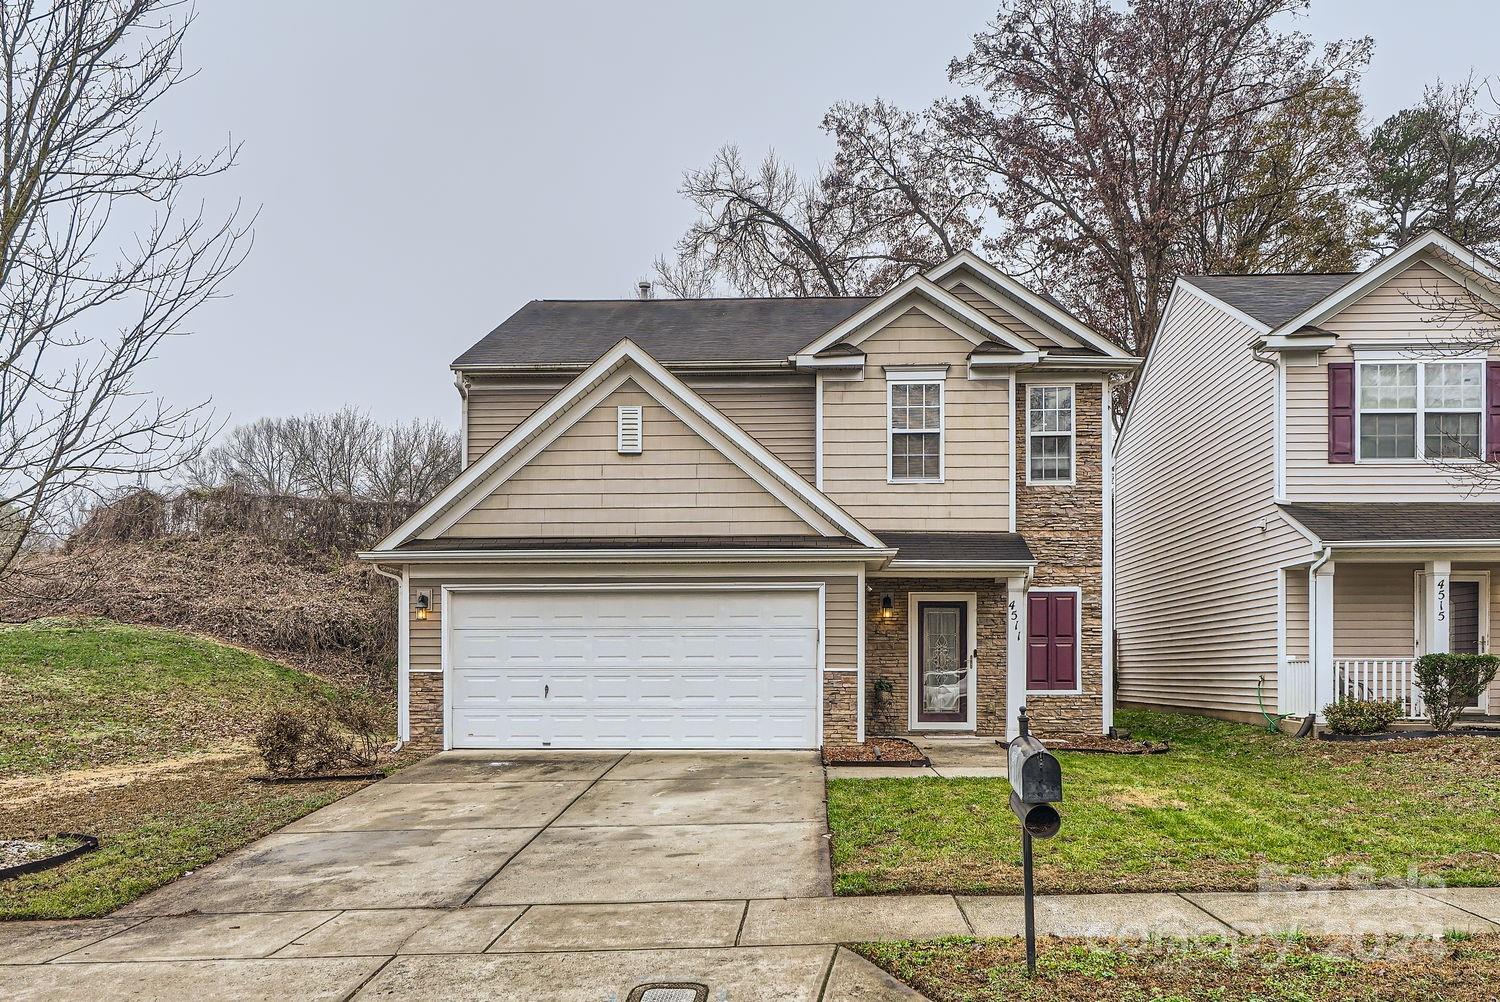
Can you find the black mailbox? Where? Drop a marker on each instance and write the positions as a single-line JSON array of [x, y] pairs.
[[1035, 776]]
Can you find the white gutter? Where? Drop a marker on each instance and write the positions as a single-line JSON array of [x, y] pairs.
[[403, 642], [625, 556]]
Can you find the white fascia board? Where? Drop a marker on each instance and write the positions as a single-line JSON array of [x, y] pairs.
[[1298, 342], [879, 555], [1425, 246], [1024, 358], [838, 362], [917, 285], [1037, 304], [985, 567]]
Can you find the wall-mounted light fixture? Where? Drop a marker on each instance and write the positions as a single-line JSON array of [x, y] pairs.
[[424, 603], [887, 608]]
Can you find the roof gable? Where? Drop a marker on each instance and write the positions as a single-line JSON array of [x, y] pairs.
[[624, 362], [921, 293]]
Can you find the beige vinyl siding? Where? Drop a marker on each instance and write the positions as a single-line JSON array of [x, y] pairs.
[[840, 612], [494, 408], [1198, 543], [1298, 609], [991, 306], [975, 493], [1374, 610], [1398, 311], [777, 411], [580, 486]]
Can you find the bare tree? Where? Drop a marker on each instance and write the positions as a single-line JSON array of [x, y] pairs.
[[1108, 133], [103, 253], [343, 454]]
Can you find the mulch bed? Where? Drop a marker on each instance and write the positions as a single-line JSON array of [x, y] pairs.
[[875, 751], [343, 777], [1457, 732], [1110, 746]]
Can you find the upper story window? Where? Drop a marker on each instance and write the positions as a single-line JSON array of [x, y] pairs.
[[1049, 435], [915, 429], [1421, 409]]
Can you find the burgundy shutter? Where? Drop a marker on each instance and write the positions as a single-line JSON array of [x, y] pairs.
[[1051, 641], [1038, 649], [1341, 412], [1064, 641], [1492, 412]]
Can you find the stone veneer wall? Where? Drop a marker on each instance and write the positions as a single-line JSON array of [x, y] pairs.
[[840, 707], [1065, 529], [425, 712], [886, 651]]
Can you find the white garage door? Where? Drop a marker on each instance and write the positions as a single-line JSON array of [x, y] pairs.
[[634, 669]]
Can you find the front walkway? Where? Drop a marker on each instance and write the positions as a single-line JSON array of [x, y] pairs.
[[579, 875]]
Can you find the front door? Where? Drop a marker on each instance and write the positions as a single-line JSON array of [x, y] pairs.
[[942, 662], [1463, 629]]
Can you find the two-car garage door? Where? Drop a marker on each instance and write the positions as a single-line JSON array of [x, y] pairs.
[[633, 668]]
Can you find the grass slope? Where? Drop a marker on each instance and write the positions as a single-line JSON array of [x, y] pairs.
[[1226, 805], [78, 693], [140, 736]]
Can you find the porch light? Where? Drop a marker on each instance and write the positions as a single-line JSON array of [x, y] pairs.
[[423, 604], [887, 608]]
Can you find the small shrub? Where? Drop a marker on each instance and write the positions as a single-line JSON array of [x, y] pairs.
[[340, 732], [1450, 683], [1362, 716]]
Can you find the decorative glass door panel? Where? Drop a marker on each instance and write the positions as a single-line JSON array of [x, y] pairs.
[[943, 662]]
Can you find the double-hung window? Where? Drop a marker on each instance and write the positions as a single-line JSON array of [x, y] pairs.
[[1049, 435], [915, 429], [1420, 409]]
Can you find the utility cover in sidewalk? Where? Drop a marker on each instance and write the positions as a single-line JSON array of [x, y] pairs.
[[675, 992]]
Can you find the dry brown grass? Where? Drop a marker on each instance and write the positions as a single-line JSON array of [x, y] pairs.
[[329, 615]]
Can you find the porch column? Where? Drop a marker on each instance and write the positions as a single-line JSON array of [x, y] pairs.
[[1322, 638], [1015, 654], [1435, 589]]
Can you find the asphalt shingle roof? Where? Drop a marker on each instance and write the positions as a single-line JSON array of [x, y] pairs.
[[555, 332], [995, 547], [1396, 521], [1271, 299]]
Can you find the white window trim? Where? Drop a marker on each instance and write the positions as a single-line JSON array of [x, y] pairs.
[[1399, 357], [1031, 434], [1077, 593], [933, 376], [971, 600]]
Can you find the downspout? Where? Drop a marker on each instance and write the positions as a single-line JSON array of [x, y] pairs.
[[1311, 720], [400, 580]]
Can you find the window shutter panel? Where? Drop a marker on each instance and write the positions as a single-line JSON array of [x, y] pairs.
[[1492, 411], [1038, 648], [1064, 643], [1341, 412]]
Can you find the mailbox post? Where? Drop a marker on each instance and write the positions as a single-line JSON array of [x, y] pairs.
[[1035, 786]]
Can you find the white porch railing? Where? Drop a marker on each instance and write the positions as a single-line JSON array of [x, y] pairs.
[[1294, 688], [1380, 678]]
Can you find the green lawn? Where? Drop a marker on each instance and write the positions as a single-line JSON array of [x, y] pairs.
[[140, 736], [1228, 803], [1285, 969]]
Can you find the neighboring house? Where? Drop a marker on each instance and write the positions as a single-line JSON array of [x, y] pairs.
[[767, 523], [1300, 510]]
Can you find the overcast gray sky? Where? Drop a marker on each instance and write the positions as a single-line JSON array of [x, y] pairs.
[[423, 169]]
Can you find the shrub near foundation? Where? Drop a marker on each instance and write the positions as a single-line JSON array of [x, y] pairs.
[[1362, 716], [1451, 683]]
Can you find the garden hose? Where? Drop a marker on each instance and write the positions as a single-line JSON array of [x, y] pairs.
[[1273, 721]]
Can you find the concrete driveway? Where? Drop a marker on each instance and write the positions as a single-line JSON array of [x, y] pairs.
[[499, 875]]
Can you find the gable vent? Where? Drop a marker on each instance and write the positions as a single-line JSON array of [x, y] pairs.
[[628, 430]]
